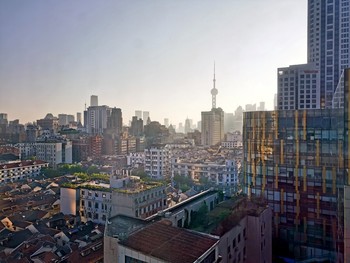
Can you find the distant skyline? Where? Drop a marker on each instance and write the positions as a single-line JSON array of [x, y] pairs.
[[154, 55]]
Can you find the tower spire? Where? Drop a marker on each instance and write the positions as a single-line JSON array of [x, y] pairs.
[[213, 92]]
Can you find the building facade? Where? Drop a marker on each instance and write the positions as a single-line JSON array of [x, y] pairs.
[[212, 126], [298, 87], [328, 43], [54, 152], [12, 172], [97, 117], [124, 195], [297, 161], [157, 161]]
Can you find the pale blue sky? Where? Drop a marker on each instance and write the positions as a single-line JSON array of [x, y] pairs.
[[154, 55]]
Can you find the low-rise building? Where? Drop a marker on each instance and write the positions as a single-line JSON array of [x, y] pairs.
[[224, 175], [127, 195], [161, 242], [232, 140], [11, 172]]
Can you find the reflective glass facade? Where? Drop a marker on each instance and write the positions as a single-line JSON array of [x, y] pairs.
[[298, 160]]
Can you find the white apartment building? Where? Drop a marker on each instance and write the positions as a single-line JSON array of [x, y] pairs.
[[135, 160], [222, 175], [233, 140], [157, 162], [11, 172], [26, 150], [97, 119], [54, 152], [96, 201]]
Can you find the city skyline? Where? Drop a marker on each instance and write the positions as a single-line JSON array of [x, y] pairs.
[[154, 56]]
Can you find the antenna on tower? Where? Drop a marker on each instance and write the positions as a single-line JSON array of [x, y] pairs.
[[85, 105], [214, 91]]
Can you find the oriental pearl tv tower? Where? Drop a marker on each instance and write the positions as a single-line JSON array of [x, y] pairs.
[[214, 92]]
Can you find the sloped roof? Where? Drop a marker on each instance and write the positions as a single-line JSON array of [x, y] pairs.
[[170, 244]]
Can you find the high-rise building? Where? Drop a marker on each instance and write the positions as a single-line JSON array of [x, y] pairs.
[[138, 114], [187, 126], [212, 122], [145, 116], [328, 54], [298, 87], [49, 123], [328, 43], [115, 120], [261, 106], [299, 160], [136, 128], [212, 127], [97, 119], [79, 117], [3, 118], [93, 101]]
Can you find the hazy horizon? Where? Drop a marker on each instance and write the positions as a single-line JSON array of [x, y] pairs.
[[154, 56]]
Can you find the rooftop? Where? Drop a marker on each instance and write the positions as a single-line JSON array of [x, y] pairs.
[[229, 213], [170, 244], [21, 164]]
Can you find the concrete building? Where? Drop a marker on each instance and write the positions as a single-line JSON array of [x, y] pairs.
[[328, 43], [299, 162], [12, 172], [124, 195], [49, 123], [157, 161], [97, 117], [54, 152], [232, 140], [136, 160], [327, 53], [212, 126], [245, 233], [298, 87], [223, 175], [93, 101], [250, 107], [136, 128], [32, 132], [115, 120], [138, 114], [79, 119], [65, 119], [162, 243], [146, 117]]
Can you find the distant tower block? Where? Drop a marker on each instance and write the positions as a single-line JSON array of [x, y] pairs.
[[213, 92], [93, 100]]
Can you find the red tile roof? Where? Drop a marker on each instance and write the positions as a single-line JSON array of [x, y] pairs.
[[168, 243]]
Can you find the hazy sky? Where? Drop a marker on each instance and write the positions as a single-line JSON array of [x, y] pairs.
[[152, 55]]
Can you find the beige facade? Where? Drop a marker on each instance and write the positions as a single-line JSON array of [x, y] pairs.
[[212, 126]]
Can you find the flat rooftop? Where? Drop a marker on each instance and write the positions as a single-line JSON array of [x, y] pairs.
[[170, 244]]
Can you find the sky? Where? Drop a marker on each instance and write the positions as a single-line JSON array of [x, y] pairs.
[[150, 55]]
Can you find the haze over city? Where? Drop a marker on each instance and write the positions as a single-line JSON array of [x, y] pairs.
[[155, 56]]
